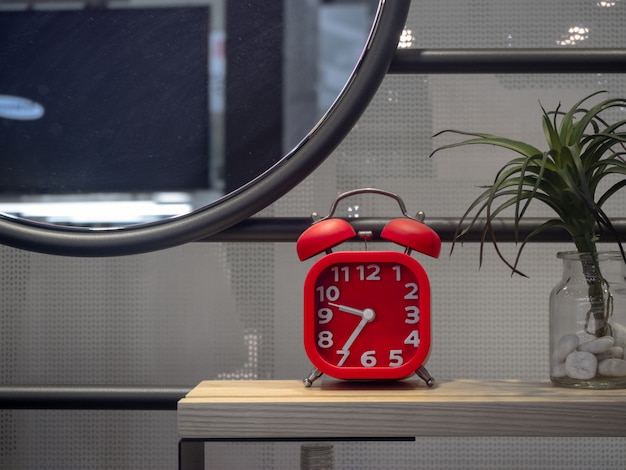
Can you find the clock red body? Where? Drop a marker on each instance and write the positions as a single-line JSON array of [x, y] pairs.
[[367, 315]]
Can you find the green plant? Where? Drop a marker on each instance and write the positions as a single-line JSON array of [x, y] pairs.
[[583, 150]]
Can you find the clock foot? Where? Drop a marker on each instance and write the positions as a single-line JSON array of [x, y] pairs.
[[313, 376], [425, 376]]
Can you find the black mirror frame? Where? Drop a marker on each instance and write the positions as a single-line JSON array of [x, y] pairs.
[[247, 200]]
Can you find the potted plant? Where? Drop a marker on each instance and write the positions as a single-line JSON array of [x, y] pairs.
[[582, 167]]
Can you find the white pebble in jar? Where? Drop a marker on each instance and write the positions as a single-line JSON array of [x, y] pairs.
[[558, 370], [597, 345], [565, 345], [581, 365], [616, 352], [612, 368]]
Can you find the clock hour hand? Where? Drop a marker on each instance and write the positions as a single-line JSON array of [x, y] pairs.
[[365, 313]]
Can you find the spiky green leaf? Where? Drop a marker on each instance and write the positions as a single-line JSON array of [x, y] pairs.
[[583, 150]]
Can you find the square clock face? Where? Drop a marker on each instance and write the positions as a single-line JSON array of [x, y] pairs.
[[367, 315]]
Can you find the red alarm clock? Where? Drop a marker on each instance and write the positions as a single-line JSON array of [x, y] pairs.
[[367, 313]]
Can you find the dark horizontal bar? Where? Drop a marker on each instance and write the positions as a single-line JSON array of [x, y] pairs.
[[471, 61], [263, 229], [90, 397], [301, 439], [266, 229]]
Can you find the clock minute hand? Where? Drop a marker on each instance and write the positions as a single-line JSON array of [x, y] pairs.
[[368, 316], [346, 347]]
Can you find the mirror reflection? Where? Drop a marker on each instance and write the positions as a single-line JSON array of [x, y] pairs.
[[132, 111]]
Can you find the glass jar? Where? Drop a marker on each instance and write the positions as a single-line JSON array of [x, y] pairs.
[[588, 322]]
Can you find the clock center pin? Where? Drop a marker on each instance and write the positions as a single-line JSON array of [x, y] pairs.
[[369, 314]]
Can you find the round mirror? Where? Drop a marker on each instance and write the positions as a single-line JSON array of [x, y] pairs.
[[136, 128]]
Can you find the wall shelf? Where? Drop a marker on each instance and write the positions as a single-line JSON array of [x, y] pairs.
[[277, 409]]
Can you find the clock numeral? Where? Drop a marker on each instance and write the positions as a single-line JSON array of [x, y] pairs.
[[325, 339], [412, 294], [325, 315], [328, 293], [395, 358], [413, 339], [371, 272], [412, 315], [398, 270], [344, 355], [368, 358], [338, 271]]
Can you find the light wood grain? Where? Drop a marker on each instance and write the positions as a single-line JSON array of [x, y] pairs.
[[286, 409]]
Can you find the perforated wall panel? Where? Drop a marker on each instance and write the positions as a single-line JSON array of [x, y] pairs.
[[217, 311]]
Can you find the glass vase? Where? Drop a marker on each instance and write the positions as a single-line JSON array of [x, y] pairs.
[[588, 322]]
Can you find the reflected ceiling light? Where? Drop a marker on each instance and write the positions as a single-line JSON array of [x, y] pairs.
[[574, 35], [95, 212], [606, 3], [406, 39]]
